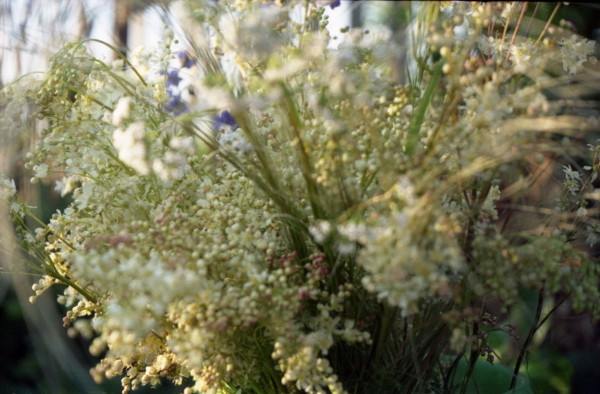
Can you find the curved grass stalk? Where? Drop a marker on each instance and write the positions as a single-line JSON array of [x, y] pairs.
[[306, 167], [120, 54]]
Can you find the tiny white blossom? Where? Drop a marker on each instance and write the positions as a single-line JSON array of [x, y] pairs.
[[40, 170], [190, 86], [7, 189], [122, 111], [575, 52], [83, 197], [65, 185], [131, 148], [320, 231]]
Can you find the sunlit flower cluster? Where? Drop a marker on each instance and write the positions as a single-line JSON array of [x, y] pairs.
[[275, 210]]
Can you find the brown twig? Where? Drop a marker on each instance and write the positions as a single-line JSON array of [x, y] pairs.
[[548, 23]]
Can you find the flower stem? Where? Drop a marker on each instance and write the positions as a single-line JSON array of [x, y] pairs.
[[532, 331]]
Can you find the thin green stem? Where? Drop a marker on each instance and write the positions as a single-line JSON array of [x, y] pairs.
[[303, 157], [528, 339], [418, 117], [121, 55]]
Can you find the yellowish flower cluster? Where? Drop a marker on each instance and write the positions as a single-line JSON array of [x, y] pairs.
[[277, 211]]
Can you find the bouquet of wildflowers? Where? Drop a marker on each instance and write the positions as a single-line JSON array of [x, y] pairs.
[[260, 207]]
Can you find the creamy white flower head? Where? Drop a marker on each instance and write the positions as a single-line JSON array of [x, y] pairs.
[[174, 164], [231, 69], [289, 69], [189, 88], [161, 170], [227, 27], [122, 111], [320, 339], [218, 98], [131, 147], [7, 189], [255, 34], [234, 139], [355, 232], [346, 248], [488, 45], [320, 231], [575, 51], [405, 190], [148, 64], [507, 11], [461, 31], [40, 170], [183, 144], [83, 195], [297, 14], [376, 35], [521, 56], [66, 185]]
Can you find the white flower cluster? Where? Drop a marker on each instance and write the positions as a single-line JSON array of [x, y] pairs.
[[174, 163], [7, 189], [244, 210], [131, 148], [401, 268], [575, 51]]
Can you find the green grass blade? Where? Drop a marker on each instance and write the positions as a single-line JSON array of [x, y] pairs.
[[419, 116]]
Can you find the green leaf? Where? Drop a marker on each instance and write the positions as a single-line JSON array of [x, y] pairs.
[[549, 372], [520, 389], [419, 115], [489, 379]]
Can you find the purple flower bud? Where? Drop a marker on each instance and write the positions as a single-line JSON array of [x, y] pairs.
[[224, 119], [334, 4], [175, 106], [185, 59], [173, 78]]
